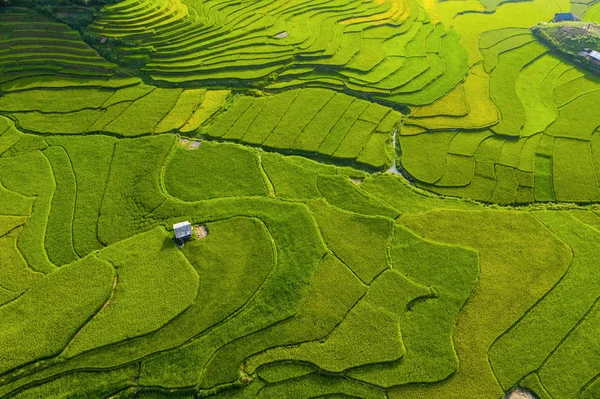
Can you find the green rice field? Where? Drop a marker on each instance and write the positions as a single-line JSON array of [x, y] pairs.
[[388, 199]]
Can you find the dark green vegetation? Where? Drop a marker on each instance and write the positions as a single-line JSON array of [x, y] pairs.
[[270, 125], [572, 39]]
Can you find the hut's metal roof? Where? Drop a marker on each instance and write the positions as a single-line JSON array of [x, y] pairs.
[[594, 54], [183, 229], [565, 16]]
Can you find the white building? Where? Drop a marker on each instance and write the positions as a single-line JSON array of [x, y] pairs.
[[183, 230], [591, 54]]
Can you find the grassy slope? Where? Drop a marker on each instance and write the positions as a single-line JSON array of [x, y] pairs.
[[282, 318], [314, 280]]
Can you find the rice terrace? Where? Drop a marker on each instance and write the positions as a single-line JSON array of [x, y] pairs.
[[235, 199]]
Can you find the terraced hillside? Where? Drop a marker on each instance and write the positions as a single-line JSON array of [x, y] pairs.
[[521, 128], [33, 45], [390, 50], [308, 144]]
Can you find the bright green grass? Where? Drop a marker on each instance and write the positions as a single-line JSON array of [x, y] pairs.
[[314, 133], [49, 101], [592, 389], [321, 308], [593, 13], [71, 123], [289, 280], [26, 143], [300, 256], [325, 308], [326, 353], [503, 87], [84, 384], [314, 325], [59, 231], [31, 175], [154, 283], [304, 108], [267, 120], [341, 192], [143, 116], [132, 193], [314, 280], [574, 175], [522, 349], [90, 158], [367, 335], [16, 276], [298, 178], [214, 171], [224, 122], [183, 109], [360, 242], [208, 43], [577, 87], [290, 180], [430, 355], [331, 142], [423, 155], [277, 372], [529, 87], [240, 126], [230, 275], [544, 185], [14, 205], [581, 127], [47, 316], [62, 49], [316, 121], [318, 385], [580, 341], [396, 192], [510, 41], [500, 307], [129, 110]]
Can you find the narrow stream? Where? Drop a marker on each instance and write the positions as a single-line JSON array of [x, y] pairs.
[[394, 168]]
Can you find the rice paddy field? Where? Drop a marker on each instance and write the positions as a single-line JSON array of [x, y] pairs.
[[389, 199]]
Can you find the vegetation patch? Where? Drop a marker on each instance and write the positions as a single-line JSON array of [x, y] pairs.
[[387, 199], [576, 40]]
